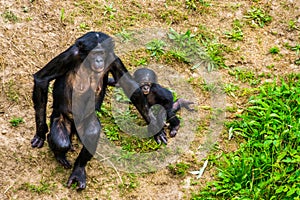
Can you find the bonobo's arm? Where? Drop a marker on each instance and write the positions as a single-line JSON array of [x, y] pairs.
[[58, 66], [130, 87], [133, 91], [182, 103]]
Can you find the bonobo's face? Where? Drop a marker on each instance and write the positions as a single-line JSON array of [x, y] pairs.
[[145, 87], [97, 60]]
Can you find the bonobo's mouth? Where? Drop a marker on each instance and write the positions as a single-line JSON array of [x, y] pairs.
[[97, 68]]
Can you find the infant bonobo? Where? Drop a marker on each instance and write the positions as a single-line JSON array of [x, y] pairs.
[[156, 94]]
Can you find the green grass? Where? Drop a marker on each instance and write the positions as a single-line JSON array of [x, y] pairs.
[[9, 16], [274, 50], [245, 76], [16, 121], [156, 47], [258, 17], [179, 169], [42, 188], [266, 165], [235, 34]]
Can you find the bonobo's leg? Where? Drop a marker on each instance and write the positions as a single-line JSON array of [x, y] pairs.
[[89, 132], [172, 119], [182, 103], [59, 139], [79, 174], [174, 123]]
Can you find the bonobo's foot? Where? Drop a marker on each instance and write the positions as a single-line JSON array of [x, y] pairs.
[[37, 141], [161, 137], [173, 131], [63, 161], [78, 176]]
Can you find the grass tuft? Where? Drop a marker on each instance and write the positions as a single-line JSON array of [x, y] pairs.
[[266, 166]]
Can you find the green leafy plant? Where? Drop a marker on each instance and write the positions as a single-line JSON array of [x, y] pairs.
[[110, 10], [83, 26], [16, 121], [43, 188], [179, 169], [244, 76], [62, 15], [296, 48], [125, 35], [9, 16], [293, 25], [258, 16], [274, 50], [156, 47], [235, 34], [266, 166], [187, 49]]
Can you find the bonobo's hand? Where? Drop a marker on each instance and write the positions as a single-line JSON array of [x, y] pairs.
[[187, 106], [173, 131], [37, 141], [161, 137], [78, 176]]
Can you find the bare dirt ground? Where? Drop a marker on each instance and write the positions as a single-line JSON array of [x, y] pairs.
[[41, 31]]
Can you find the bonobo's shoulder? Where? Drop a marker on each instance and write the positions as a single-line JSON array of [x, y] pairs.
[[162, 91]]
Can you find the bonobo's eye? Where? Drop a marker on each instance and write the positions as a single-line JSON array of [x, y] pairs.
[[94, 54], [145, 84]]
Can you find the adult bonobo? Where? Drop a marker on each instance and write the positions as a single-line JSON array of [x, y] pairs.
[[81, 76]]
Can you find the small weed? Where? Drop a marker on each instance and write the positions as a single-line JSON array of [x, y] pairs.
[[237, 24], [112, 132], [235, 35], [142, 61], [208, 87], [293, 25], [130, 182], [193, 4], [179, 169], [270, 66], [16, 121], [9, 16], [83, 26], [178, 55], [258, 16], [109, 10], [190, 4], [173, 16], [12, 93], [187, 49], [125, 35], [44, 187], [296, 48], [62, 15], [231, 109], [230, 88], [274, 50], [156, 48], [244, 76]]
